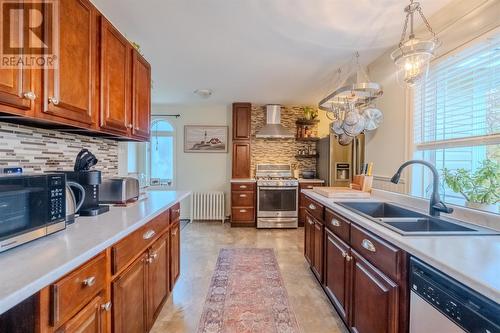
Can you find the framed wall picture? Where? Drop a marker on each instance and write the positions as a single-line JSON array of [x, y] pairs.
[[205, 139]]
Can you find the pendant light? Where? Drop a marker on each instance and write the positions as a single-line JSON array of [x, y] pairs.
[[413, 55]]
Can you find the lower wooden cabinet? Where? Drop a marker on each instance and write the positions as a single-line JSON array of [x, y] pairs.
[[336, 279], [175, 253], [364, 276], [243, 204], [158, 276], [91, 319], [318, 250], [302, 201], [129, 299], [309, 239], [374, 301]]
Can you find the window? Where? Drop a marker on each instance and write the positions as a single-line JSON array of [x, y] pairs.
[[162, 151], [456, 116]]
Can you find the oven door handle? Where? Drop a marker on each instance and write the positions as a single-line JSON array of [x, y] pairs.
[[278, 188]]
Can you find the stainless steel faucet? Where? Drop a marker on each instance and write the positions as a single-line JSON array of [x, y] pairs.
[[436, 205]]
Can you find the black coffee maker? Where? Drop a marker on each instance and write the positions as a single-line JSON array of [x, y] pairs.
[[90, 181]]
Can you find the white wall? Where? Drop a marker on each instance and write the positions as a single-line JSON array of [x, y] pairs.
[[199, 171], [456, 24]]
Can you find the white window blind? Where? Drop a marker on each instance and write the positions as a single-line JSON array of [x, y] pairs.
[[456, 114], [459, 103]]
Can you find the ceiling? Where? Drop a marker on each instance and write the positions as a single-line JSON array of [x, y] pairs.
[[262, 51]]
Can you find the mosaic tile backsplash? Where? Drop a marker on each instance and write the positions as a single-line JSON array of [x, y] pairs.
[[278, 151], [40, 150]]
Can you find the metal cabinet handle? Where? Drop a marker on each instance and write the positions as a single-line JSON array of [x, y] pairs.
[[335, 223], [243, 195], [309, 186], [344, 254], [89, 282], [243, 210], [129, 126], [53, 100], [149, 234], [154, 255], [310, 221], [368, 245], [177, 211], [106, 306], [312, 207], [348, 257], [29, 95], [149, 260], [243, 186]]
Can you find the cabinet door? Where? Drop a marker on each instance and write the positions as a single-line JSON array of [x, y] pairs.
[[16, 90], [69, 90], [175, 251], [309, 239], [141, 96], [157, 277], [115, 80], [374, 299], [336, 277], [318, 250], [242, 121], [241, 160], [91, 319], [129, 299]]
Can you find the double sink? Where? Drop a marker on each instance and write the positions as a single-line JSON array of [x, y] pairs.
[[410, 223]]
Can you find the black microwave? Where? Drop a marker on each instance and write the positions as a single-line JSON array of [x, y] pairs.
[[31, 206]]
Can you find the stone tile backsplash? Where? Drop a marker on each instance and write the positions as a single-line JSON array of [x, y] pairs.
[[278, 151], [40, 150]]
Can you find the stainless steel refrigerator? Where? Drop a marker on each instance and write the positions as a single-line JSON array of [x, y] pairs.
[[336, 163]]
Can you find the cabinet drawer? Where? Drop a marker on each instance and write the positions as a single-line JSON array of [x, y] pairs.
[[309, 186], [125, 250], [242, 214], [72, 292], [242, 199], [316, 209], [337, 224], [383, 255], [175, 212], [242, 186]]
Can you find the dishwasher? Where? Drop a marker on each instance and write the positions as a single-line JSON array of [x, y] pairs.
[[440, 304]]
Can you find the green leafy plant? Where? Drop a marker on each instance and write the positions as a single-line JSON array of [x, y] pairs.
[[310, 113], [481, 186]]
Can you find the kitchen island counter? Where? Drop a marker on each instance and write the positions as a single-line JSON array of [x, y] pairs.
[[30, 267]]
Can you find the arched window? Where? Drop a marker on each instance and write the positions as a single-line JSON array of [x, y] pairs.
[[162, 152]]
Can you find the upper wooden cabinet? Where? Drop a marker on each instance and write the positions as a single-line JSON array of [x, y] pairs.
[[101, 84], [115, 80], [141, 96], [69, 92], [17, 94], [242, 121]]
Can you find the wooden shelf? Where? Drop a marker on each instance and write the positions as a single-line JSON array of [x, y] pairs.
[[307, 121], [313, 139], [307, 156]]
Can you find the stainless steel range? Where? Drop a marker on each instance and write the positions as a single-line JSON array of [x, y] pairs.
[[277, 196]]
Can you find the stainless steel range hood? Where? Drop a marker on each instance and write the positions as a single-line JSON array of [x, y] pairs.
[[273, 128]]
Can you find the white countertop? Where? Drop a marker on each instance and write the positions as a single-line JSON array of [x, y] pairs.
[[314, 180], [243, 180], [30, 267], [472, 260]]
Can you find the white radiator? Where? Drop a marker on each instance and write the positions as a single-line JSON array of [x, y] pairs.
[[208, 206]]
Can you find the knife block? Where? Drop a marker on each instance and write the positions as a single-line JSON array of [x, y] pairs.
[[362, 183]]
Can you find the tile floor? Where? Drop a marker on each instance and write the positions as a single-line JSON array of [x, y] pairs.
[[200, 245]]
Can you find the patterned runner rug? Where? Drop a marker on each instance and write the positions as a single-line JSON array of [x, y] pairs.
[[247, 295]]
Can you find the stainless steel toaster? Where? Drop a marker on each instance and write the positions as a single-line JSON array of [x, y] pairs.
[[119, 190]]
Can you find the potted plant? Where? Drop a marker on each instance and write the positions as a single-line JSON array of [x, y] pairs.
[[310, 113], [481, 188]]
